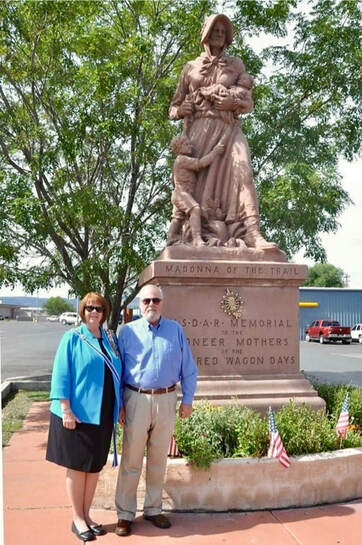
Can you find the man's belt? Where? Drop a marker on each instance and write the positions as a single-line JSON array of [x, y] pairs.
[[152, 390]]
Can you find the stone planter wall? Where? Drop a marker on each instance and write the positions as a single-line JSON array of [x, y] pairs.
[[250, 483]]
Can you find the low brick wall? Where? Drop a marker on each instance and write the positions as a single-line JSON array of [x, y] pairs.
[[248, 484]]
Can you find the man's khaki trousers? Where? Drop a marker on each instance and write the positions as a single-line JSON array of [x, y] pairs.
[[149, 422]]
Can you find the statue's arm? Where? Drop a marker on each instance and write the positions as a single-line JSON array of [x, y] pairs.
[[177, 109], [243, 96], [238, 98], [206, 160], [192, 163], [188, 163]]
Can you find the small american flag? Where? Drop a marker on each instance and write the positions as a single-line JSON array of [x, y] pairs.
[[343, 420], [276, 447], [172, 449]]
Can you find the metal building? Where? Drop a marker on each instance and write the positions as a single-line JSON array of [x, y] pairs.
[[342, 304]]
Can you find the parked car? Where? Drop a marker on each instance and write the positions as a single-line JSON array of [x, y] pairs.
[[52, 318], [1, 317], [356, 333], [69, 318], [328, 330]]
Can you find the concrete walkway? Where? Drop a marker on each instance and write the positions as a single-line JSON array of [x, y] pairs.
[[37, 510]]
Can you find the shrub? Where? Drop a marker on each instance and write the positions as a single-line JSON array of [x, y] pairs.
[[213, 432], [334, 396], [199, 437], [229, 431], [305, 430], [252, 434]]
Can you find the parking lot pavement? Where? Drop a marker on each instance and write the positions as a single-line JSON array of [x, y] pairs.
[[28, 349], [334, 363]]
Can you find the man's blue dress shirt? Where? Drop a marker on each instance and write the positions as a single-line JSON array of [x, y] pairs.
[[157, 356]]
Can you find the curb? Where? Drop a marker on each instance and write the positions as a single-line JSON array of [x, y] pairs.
[[249, 484], [24, 383]]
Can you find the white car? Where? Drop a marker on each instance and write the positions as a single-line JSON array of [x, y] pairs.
[[69, 318], [356, 333], [52, 318]]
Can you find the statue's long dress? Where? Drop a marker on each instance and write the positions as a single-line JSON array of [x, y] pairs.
[[228, 182]]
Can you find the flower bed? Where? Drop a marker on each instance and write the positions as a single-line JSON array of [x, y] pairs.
[[226, 467], [213, 433]]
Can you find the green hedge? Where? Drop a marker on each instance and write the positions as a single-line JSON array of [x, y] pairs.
[[212, 432], [334, 396]]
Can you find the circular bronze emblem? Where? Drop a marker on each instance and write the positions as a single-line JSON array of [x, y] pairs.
[[232, 304]]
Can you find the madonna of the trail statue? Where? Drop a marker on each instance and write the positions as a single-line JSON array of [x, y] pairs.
[[213, 91], [233, 292]]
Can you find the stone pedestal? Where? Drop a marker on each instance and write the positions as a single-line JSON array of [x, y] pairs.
[[241, 320]]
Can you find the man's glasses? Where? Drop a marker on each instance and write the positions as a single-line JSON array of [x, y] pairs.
[[90, 308], [155, 300]]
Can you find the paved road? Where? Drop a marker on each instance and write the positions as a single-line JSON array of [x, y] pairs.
[[333, 362], [28, 349]]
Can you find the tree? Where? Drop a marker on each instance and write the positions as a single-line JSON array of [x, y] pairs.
[[307, 114], [57, 305], [84, 134], [325, 275]]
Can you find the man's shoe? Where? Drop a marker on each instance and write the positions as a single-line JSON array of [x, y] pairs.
[[158, 520], [123, 527]]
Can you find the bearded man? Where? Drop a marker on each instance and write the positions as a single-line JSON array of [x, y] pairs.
[[155, 355]]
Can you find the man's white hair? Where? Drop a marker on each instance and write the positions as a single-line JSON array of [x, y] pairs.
[[141, 293]]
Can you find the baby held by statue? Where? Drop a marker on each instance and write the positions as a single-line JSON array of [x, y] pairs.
[[205, 97]]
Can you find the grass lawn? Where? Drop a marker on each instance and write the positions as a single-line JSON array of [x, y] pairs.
[[15, 409]]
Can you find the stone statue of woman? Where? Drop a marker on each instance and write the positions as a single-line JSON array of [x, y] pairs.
[[213, 91]]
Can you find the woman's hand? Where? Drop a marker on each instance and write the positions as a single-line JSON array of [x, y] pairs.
[[185, 109], [227, 103], [122, 416], [69, 419], [219, 148]]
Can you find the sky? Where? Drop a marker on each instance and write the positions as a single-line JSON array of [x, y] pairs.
[[344, 248]]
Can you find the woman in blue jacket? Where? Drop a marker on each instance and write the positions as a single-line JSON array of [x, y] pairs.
[[86, 403]]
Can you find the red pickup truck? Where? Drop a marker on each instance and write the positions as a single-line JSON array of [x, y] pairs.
[[327, 330]]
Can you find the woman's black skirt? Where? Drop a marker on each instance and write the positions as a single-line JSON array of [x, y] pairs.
[[86, 447]]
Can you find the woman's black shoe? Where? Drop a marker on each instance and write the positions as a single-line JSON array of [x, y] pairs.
[[83, 536], [97, 530]]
